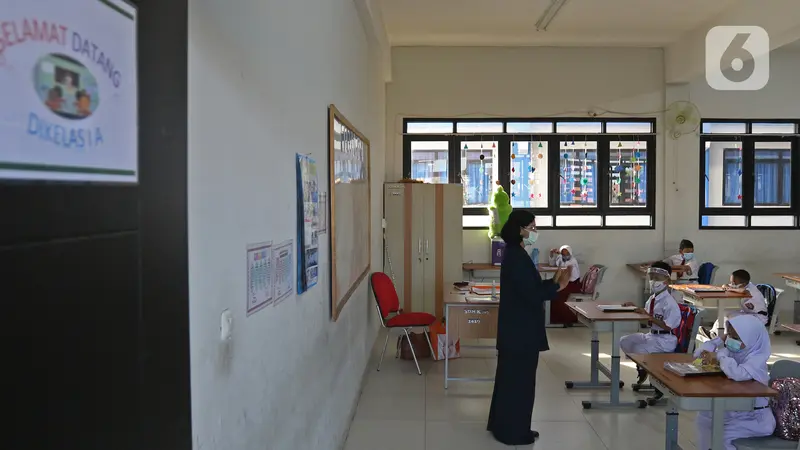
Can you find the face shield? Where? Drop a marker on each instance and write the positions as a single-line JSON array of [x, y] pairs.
[[657, 279]]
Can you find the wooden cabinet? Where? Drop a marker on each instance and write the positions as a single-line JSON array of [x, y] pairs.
[[424, 242]]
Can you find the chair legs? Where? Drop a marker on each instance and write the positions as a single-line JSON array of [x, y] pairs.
[[384, 350], [426, 331], [411, 347]]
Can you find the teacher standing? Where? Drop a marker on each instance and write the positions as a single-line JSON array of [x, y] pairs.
[[520, 333]]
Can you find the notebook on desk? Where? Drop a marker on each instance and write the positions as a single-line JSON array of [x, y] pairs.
[[480, 299], [708, 289], [692, 369], [616, 308]]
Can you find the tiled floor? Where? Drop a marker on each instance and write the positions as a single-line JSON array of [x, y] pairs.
[[400, 410]]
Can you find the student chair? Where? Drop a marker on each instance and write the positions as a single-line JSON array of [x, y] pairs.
[[691, 317], [781, 369], [771, 295], [589, 285], [706, 273], [392, 316]]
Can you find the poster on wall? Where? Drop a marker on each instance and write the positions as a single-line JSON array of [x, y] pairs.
[[307, 223], [69, 91], [260, 276], [282, 262], [323, 213]]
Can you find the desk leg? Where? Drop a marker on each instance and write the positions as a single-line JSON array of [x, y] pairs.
[[447, 343], [720, 319], [672, 429], [717, 424], [615, 382], [594, 379]]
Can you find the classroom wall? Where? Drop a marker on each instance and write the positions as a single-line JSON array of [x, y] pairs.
[[539, 82], [261, 77]]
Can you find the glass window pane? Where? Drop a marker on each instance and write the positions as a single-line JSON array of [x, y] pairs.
[[578, 221], [529, 127], [723, 174], [429, 127], [723, 221], [429, 161], [475, 221], [479, 173], [773, 174], [775, 128], [629, 127], [529, 174], [771, 221], [544, 221], [628, 221], [578, 172], [628, 168], [724, 128], [479, 127], [579, 127]]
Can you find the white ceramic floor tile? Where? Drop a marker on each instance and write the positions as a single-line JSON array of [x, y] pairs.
[[383, 435], [565, 436], [398, 402], [460, 436]]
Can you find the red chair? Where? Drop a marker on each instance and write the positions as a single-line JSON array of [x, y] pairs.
[[392, 316]]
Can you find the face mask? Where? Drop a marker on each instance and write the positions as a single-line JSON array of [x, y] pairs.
[[531, 239], [734, 286], [566, 258], [657, 286], [733, 344], [688, 256]]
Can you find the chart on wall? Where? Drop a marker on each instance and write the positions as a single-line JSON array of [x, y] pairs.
[[260, 278], [69, 91], [350, 208], [307, 223]]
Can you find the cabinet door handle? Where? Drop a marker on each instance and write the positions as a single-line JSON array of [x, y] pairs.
[[426, 248], [419, 248]]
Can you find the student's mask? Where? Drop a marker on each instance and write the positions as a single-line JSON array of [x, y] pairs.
[[733, 345], [734, 286], [657, 286], [531, 239], [688, 256], [566, 258]]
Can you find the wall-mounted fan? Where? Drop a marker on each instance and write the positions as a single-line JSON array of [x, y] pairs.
[[682, 118]]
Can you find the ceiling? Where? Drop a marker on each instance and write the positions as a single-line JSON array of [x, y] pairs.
[[626, 23]]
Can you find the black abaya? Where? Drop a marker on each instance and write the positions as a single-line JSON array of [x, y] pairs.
[[521, 335]]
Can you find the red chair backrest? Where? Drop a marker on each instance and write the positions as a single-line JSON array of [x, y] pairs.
[[385, 293]]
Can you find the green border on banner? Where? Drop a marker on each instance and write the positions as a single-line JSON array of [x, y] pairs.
[[63, 169], [117, 9]]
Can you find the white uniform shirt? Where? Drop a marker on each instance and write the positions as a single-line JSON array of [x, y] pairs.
[[571, 265], [694, 266], [665, 308], [755, 304]]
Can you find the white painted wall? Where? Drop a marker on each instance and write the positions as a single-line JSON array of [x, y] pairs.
[[261, 75], [538, 82]]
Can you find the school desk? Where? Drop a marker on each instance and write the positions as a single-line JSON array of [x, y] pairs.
[[468, 320], [599, 322], [793, 281], [715, 393], [546, 271], [721, 300]]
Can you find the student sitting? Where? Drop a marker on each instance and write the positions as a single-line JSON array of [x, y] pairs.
[[564, 259], [743, 357], [685, 258], [756, 305], [665, 315]]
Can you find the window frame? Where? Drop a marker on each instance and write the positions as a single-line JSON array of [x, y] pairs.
[[748, 208], [554, 209]]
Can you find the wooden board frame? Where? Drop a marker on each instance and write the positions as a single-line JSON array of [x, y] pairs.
[[341, 294]]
